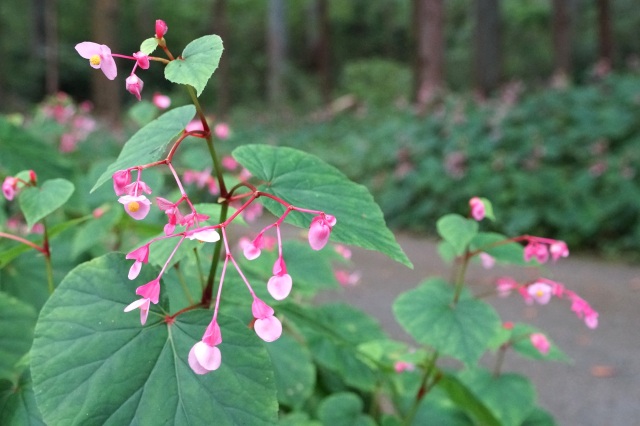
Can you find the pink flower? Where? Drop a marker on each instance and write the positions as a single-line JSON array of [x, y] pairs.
[[99, 56], [140, 255], [252, 249], [558, 249], [504, 286], [136, 207], [142, 60], [583, 310], [161, 101], [537, 250], [540, 342], [347, 279], [204, 235], [401, 366], [121, 179], [540, 292], [68, 142], [221, 131], [477, 208], [267, 327], [134, 85], [150, 293], [229, 163], [10, 187], [204, 355], [487, 260], [280, 283], [194, 125], [343, 251], [136, 188], [320, 230], [161, 28]]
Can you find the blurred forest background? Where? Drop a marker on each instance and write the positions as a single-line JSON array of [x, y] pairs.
[[532, 103]]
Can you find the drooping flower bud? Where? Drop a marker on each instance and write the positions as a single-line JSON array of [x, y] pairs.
[[134, 85], [121, 179], [161, 28]]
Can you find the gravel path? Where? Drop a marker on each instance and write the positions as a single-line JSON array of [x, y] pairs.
[[601, 386]]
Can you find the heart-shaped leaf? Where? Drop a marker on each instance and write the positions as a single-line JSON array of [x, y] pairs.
[[38, 202], [150, 143], [18, 403], [308, 182], [94, 364], [457, 231], [197, 63], [462, 330]]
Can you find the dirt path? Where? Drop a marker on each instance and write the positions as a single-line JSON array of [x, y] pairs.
[[600, 387]]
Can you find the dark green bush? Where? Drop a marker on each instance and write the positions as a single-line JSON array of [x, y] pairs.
[[560, 162]]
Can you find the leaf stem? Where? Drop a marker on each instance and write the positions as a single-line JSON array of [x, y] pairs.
[[23, 241], [47, 258], [423, 389], [461, 272]]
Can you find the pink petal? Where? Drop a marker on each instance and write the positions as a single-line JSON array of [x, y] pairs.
[[260, 310], [279, 286], [135, 305], [540, 292], [212, 336], [206, 235], [540, 342], [194, 364], [143, 304], [268, 329], [87, 49], [251, 252], [319, 233], [134, 271], [150, 290], [143, 206], [208, 357]]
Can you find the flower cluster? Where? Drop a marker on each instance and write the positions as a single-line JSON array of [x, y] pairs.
[[542, 290], [542, 248], [100, 57]]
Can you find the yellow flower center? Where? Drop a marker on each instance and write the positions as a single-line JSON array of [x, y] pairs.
[[95, 60], [134, 206], [540, 293]]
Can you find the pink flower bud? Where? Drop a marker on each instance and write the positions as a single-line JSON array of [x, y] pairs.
[[540, 342], [142, 60], [161, 28], [267, 327], [221, 131], [279, 286], [320, 230], [134, 85], [121, 179], [558, 249], [477, 208], [32, 177], [9, 187], [161, 101]]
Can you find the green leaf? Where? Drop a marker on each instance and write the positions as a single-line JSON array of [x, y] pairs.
[[488, 209], [294, 370], [149, 45], [149, 143], [467, 401], [333, 333], [438, 409], [17, 321], [343, 409], [38, 202], [457, 231], [510, 397], [462, 331], [197, 63], [18, 403], [94, 364], [539, 417], [94, 231], [307, 182]]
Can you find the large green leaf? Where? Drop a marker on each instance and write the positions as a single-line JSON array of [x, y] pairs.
[[510, 397], [197, 63], [306, 181], [462, 330], [38, 202], [343, 409], [466, 400], [150, 142], [94, 364], [333, 333], [17, 321], [294, 370], [18, 403], [457, 231]]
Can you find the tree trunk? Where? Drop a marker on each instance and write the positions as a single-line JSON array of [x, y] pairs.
[[52, 68], [106, 93], [276, 52], [562, 32], [488, 67], [605, 34], [319, 36], [429, 33], [223, 76]]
